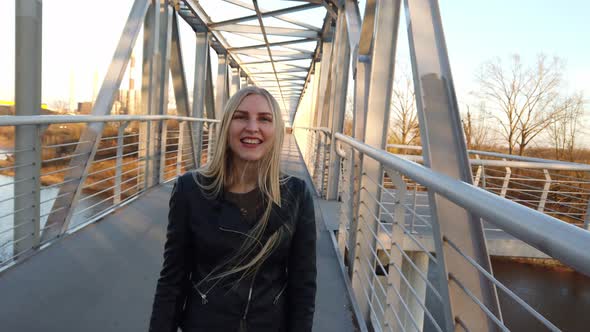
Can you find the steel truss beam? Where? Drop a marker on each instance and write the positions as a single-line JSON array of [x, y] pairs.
[[340, 70], [444, 151], [202, 68], [273, 13], [59, 219], [181, 91], [279, 16]]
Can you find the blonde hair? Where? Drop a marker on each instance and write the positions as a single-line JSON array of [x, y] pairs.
[[219, 171]]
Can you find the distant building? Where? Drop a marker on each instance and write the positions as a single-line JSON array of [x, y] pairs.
[[6, 110], [85, 107]]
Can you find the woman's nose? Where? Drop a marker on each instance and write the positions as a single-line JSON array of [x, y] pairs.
[[252, 125]]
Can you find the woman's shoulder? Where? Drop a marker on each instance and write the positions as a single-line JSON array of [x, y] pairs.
[[191, 181], [294, 186]]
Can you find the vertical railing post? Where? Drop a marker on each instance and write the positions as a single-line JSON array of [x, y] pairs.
[[545, 192], [180, 147], [478, 174], [211, 140], [347, 205], [414, 198], [27, 143], [325, 154], [587, 218], [119, 160], [163, 148], [394, 284], [505, 182]]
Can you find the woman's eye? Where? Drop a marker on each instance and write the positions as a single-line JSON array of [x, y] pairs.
[[266, 119]]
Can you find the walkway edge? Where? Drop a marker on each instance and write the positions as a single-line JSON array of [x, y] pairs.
[[359, 320]]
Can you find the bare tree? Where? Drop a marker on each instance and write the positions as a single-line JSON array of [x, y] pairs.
[[523, 95], [60, 105], [403, 125], [563, 131], [475, 127]]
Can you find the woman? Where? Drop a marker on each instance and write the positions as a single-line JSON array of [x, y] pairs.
[[240, 248]]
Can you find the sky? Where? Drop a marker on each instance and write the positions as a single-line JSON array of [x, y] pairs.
[[79, 38]]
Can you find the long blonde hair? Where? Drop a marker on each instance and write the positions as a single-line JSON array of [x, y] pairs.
[[219, 171]]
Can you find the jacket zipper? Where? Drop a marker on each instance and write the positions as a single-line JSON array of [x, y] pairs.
[[245, 315], [203, 296], [280, 293]]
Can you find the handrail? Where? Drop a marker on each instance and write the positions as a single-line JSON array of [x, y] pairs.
[[325, 130], [557, 166], [562, 241], [18, 120], [520, 161], [498, 155]]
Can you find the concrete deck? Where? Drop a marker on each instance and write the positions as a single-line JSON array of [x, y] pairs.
[[103, 277]]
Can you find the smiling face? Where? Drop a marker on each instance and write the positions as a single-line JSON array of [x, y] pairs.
[[251, 129]]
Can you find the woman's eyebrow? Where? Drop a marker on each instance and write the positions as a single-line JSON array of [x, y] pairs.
[[259, 113]]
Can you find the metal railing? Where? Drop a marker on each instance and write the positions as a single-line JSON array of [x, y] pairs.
[[558, 188], [316, 155], [116, 174], [394, 267]]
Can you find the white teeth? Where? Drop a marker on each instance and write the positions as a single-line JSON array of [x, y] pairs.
[[251, 141]]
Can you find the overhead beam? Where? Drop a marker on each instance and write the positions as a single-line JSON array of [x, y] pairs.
[[278, 31], [277, 16], [290, 42], [267, 14]]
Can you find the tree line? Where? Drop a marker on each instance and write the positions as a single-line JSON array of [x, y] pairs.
[[516, 104]]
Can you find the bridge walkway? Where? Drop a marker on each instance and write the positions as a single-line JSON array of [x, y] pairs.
[[103, 277]]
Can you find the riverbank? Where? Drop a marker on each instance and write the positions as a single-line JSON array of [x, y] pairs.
[[103, 179]]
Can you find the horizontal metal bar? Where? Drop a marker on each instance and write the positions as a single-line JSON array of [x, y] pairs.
[[15, 227], [15, 166], [478, 302], [64, 144], [56, 197], [52, 211], [562, 241], [63, 158], [557, 166], [58, 171], [515, 297], [13, 120]]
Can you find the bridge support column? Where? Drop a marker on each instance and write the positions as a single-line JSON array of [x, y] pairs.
[[200, 91], [382, 36], [339, 89], [27, 143], [222, 87], [235, 81], [419, 260]]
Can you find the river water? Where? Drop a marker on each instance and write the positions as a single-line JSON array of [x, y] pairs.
[[562, 296], [47, 198]]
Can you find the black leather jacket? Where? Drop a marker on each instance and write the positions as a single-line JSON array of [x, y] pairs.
[[202, 232]]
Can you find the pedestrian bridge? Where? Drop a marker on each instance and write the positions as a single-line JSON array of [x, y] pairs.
[[404, 239]]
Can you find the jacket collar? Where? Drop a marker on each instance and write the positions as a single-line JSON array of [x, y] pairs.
[[227, 216]]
